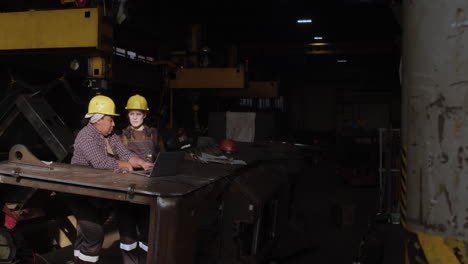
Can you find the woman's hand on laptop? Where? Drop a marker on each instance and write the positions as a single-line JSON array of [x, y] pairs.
[[146, 165]]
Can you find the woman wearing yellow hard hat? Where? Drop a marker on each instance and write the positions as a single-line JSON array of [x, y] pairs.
[[145, 143], [138, 137], [96, 146]]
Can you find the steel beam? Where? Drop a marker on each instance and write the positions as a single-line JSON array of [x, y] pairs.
[[55, 29], [199, 78]]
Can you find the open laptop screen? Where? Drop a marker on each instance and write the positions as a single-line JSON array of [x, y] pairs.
[[166, 164]]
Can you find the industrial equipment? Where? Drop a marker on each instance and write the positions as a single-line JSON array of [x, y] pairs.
[[57, 136], [79, 28]]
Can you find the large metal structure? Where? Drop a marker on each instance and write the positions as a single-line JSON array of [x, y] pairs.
[[251, 202], [57, 136], [82, 28], [435, 101]]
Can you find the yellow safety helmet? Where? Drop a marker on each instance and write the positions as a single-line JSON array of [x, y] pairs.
[[137, 102], [101, 104]]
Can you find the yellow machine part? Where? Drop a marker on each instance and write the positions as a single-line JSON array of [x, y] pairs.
[[257, 89], [96, 67], [199, 78], [54, 29], [440, 250], [435, 249]]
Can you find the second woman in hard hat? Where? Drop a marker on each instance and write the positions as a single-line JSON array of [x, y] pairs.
[[145, 142], [138, 137]]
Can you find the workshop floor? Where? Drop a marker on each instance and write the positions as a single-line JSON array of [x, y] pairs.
[[329, 220]]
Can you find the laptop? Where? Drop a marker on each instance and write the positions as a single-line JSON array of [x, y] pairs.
[[166, 164]]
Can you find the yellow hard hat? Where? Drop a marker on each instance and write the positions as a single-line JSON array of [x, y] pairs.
[[137, 102], [101, 104]]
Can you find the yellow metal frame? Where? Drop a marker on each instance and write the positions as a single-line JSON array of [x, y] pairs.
[[55, 29], [199, 78], [257, 89], [440, 250]]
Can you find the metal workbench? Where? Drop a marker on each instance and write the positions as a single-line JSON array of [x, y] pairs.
[[177, 203]]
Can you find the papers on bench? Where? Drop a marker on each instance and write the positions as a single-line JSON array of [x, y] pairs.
[[219, 159]]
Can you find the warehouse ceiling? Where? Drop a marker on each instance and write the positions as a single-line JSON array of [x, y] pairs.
[[152, 25], [271, 24], [266, 33]]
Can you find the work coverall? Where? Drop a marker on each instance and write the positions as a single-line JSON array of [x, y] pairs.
[[92, 149], [133, 218]]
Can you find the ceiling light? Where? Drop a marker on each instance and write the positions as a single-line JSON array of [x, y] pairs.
[[318, 38], [304, 21], [318, 44], [342, 61], [131, 54]]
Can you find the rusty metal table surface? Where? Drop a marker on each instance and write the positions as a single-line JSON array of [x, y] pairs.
[[192, 176]]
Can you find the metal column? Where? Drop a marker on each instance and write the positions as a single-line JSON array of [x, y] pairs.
[[435, 115]]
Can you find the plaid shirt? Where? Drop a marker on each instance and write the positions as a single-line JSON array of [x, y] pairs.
[[90, 149]]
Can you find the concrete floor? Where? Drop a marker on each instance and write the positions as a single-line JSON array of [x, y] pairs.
[[330, 219]]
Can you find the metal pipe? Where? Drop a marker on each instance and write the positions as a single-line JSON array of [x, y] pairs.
[[256, 232], [380, 171]]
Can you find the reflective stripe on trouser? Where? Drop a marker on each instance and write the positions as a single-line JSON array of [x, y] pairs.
[[130, 253], [85, 258], [133, 227], [143, 245], [128, 247], [89, 231], [89, 239], [134, 253]]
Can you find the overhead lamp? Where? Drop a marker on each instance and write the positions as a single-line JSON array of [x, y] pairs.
[[318, 44], [342, 60], [304, 21], [131, 54], [318, 38]]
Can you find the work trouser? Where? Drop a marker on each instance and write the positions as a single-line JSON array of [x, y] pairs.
[[133, 229], [89, 213]]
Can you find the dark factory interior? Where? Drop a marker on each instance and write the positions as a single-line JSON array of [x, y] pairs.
[[322, 80]]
